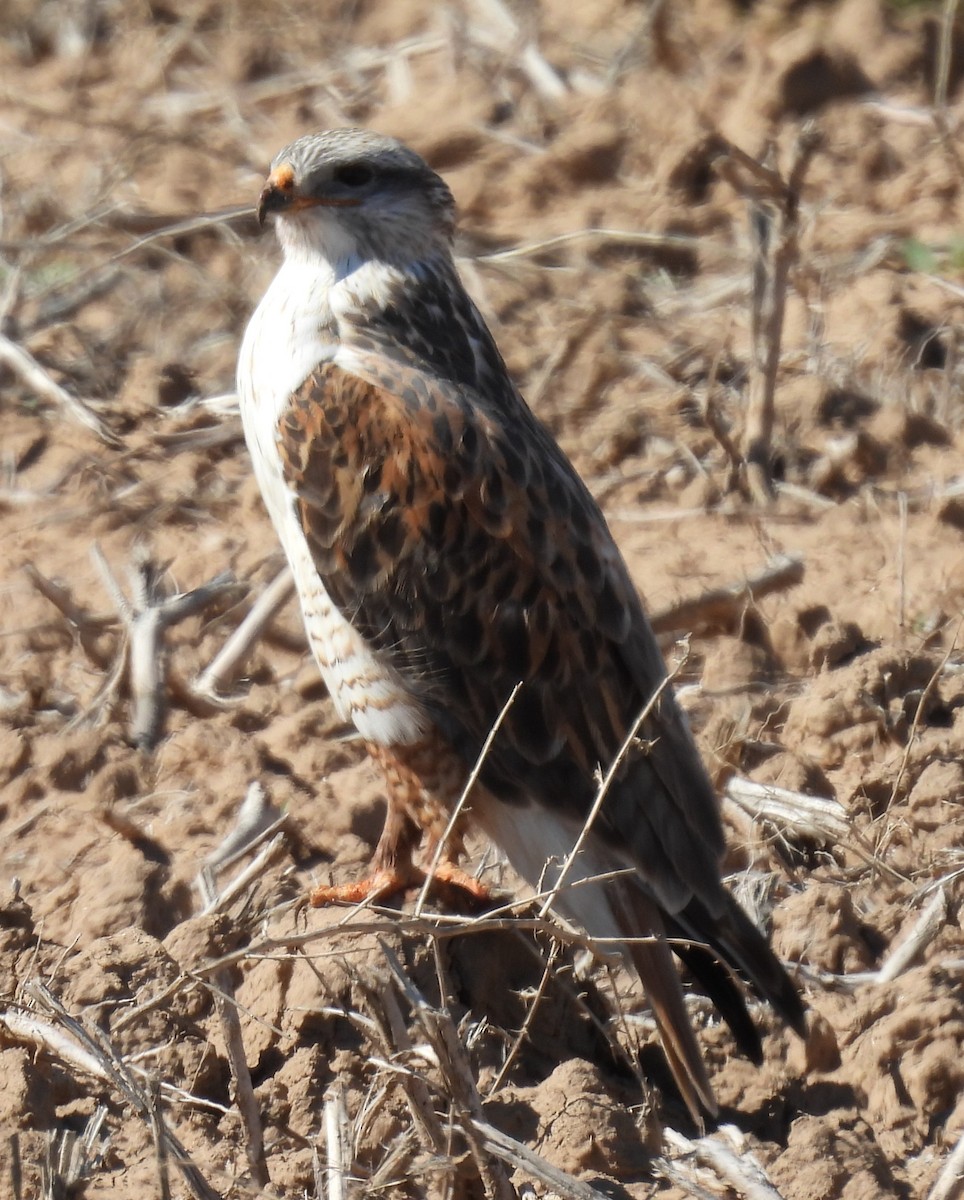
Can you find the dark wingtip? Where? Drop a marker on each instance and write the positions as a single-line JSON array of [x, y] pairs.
[[733, 939]]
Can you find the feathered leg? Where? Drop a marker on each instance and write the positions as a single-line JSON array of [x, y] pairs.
[[414, 806]]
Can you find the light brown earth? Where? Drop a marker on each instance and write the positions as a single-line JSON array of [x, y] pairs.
[[557, 121]]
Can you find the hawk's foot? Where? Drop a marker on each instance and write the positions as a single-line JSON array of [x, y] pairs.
[[457, 888]]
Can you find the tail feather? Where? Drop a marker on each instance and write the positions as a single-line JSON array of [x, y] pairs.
[[653, 960], [720, 934], [737, 941], [716, 980]]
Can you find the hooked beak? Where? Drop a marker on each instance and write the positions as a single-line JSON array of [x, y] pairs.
[[278, 192]]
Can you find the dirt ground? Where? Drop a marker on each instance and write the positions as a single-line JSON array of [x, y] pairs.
[[610, 247]]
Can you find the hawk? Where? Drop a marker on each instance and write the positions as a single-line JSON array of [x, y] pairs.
[[453, 568]]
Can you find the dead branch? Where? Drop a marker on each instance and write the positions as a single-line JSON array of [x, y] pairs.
[[22, 363], [795, 813], [23, 1027], [523, 1034], [738, 1171], [257, 867], [147, 617], [604, 786], [395, 1035], [515, 1154], [930, 922], [950, 1183], [69, 1158], [442, 926], [109, 1066], [338, 1144], [723, 608], [132, 832], [673, 241], [257, 819], [460, 1085], [774, 221], [86, 625], [225, 665], [227, 1010], [61, 305], [799, 815], [469, 785]]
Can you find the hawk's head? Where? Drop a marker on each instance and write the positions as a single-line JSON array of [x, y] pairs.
[[348, 194]]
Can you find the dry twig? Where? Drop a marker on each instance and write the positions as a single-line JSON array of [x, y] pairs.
[[606, 783], [147, 618], [459, 1082], [257, 819], [799, 815], [87, 626], [236, 649], [723, 608], [950, 1183], [338, 1142], [775, 218], [22, 363], [466, 791], [517, 1155], [70, 1158], [739, 1172], [91, 1044], [932, 919], [795, 813], [227, 1010]]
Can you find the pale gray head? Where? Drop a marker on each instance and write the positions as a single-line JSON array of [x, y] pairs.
[[354, 196]]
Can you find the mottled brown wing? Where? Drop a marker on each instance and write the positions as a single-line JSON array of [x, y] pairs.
[[457, 538]]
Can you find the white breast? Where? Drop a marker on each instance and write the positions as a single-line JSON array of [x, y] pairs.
[[290, 333]]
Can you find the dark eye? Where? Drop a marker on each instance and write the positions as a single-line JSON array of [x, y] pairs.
[[354, 175]]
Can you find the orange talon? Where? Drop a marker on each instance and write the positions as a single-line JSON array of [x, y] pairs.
[[384, 883], [450, 881], [450, 875]]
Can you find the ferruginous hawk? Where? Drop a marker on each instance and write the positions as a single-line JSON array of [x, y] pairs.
[[444, 551]]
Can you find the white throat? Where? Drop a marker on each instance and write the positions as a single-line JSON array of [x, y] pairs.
[[292, 331]]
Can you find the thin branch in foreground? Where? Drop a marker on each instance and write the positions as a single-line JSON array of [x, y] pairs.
[[466, 791], [93, 1044], [227, 1010], [457, 1077], [523, 1034], [606, 784]]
